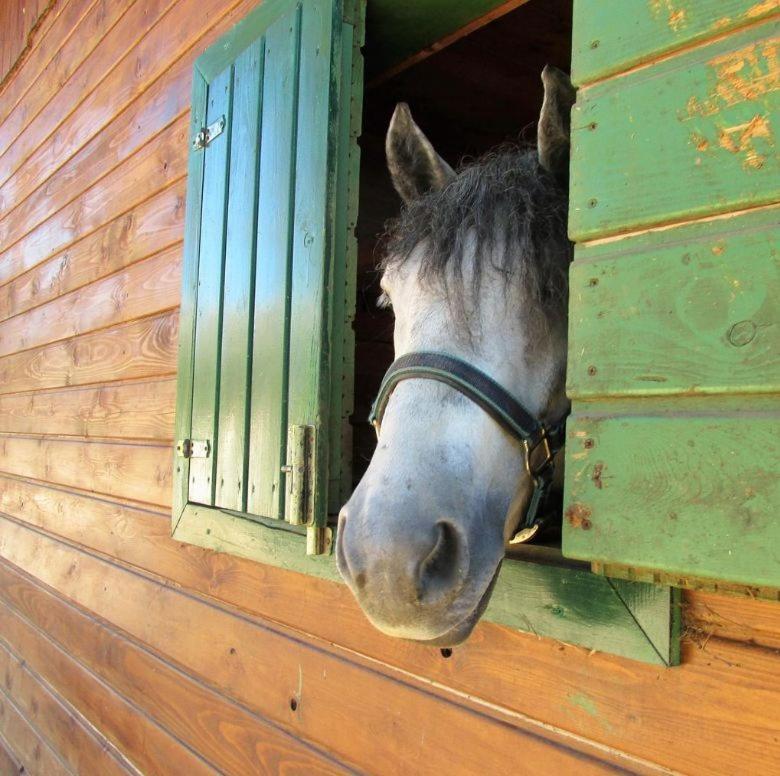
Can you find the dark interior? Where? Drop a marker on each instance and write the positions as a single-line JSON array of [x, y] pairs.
[[477, 93]]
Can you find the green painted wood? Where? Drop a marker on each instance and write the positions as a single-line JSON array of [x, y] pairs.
[[238, 281], [397, 30], [689, 487], [344, 269], [189, 295], [688, 310], [268, 433], [572, 605], [609, 38], [313, 235], [208, 325], [688, 137]]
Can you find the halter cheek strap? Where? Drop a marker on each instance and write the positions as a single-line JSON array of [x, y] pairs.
[[540, 442]]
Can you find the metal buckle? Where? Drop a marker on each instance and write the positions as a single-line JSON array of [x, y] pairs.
[[548, 455]]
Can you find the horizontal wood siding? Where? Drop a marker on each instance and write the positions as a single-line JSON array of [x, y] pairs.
[[123, 649], [674, 363]]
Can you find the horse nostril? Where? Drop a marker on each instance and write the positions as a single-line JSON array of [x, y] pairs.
[[442, 571]]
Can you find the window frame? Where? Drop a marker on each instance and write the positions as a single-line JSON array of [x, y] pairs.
[[549, 597]]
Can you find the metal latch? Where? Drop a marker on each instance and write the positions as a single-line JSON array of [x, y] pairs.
[[193, 448], [207, 134]]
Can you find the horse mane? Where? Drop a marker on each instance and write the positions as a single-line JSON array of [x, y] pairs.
[[506, 205]]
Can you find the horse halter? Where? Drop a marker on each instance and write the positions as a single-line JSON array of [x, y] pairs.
[[540, 441]]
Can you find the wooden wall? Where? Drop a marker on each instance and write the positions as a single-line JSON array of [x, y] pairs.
[[121, 649]]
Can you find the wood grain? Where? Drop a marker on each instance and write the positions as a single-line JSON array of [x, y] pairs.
[[126, 470], [145, 348], [82, 749], [9, 765], [550, 683], [186, 22], [131, 410], [683, 476], [129, 734], [264, 669], [109, 55], [32, 195], [148, 287], [19, 22], [155, 224], [83, 38], [605, 43], [49, 39], [153, 168], [34, 753], [688, 310], [226, 735], [689, 137]]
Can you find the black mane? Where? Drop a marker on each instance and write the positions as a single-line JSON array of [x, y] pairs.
[[516, 212]]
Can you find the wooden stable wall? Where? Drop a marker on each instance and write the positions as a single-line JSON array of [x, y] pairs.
[[121, 649]]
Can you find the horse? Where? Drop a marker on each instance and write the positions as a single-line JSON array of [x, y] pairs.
[[475, 269]]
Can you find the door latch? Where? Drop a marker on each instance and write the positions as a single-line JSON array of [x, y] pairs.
[[207, 134]]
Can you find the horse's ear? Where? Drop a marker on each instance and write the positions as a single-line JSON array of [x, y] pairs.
[[552, 137], [414, 165]]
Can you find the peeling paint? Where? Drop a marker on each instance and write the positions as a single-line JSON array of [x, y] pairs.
[[748, 73], [740, 139], [675, 14], [759, 9]]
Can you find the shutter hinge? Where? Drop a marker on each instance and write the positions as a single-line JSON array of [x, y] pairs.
[[300, 472], [207, 134], [193, 448]]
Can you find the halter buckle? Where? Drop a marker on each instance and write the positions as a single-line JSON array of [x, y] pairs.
[[544, 443]]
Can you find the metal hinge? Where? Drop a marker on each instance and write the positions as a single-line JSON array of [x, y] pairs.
[[299, 471], [300, 474], [193, 448], [207, 134]]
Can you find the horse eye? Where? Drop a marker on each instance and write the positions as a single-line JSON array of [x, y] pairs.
[[384, 301]]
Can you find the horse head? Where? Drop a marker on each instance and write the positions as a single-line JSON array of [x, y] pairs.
[[475, 269]]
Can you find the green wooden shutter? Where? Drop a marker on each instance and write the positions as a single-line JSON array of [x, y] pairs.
[[265, 372], [672, 470]]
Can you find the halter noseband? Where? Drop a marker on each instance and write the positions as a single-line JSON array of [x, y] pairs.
[[540, 442]]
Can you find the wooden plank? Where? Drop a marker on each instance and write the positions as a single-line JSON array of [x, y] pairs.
[[211, 269], [126, 732], [684, 475], [702, 120], [319, 107], [79, 44], [35, 192], [238, 291], [685, 310], [734, 618], [83, 750], [266, 669], [36, 756], [132, 410], [151, 169], [148, 287], [178, 34], [9, 765], [126, 470], [270, 341], [156, 224], [625, 705], [145, 348], [223, 733], [41, 46], [111, 50], [606, 43]]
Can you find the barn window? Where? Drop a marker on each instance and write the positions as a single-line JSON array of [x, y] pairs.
[[275, 382]]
